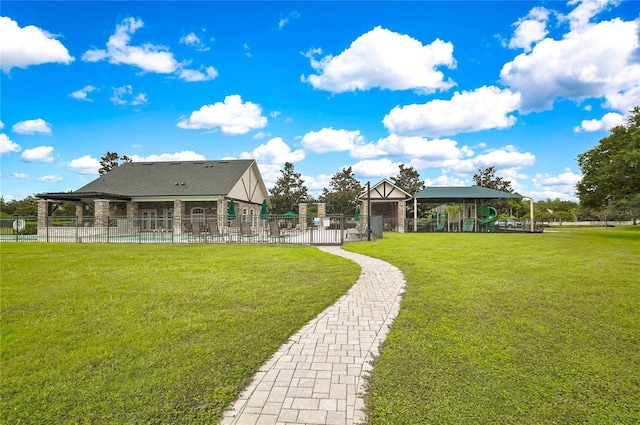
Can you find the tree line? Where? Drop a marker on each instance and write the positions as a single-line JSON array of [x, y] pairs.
[[610, 185]]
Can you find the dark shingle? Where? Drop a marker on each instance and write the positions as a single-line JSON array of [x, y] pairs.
[[184, 178]]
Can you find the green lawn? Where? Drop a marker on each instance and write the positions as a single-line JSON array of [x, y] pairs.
[[512, 329], [140, 334]]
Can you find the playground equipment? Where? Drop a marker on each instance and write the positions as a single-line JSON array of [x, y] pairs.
[[437, 222], [487, 216]]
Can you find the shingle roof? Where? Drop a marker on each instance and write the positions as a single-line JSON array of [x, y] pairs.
[[175, 178], [442, 194]]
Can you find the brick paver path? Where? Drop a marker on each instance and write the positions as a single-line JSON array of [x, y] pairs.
[[318, 376]]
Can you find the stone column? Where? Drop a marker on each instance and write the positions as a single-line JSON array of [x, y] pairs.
[[43, 216], [302, 216], [402, 214], [133, 221], [178, 214], [79, 210], [101, 214]]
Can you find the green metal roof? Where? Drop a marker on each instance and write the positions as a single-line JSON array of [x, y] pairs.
[[444, 194]]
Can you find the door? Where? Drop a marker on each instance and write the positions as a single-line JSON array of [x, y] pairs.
[[149, 219]]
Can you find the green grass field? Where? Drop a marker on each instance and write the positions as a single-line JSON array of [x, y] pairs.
[[512, 329], [493, 329], [141, 334]]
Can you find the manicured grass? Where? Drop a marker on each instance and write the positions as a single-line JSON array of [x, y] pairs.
[[140, 334], [512, 329]]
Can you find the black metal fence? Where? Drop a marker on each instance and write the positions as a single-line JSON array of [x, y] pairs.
[[281, 229]]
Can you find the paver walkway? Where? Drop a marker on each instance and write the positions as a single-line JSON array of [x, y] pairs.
[[318, 376]]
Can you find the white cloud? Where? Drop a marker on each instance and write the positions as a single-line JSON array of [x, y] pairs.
[[284, 21], [530, 30], [598, 60], [39, 154], [395, 145], [232, 116], [445, 180], [193, 40], [83, 92], [50, 179], [331, 140], [18, 176], [385, 59], [607, 121], [261, 135], [30, 45], [32, 127], [195, 75], [506, 157], [85, 165], [625, 100], [585, 10], [148, 57], [482, 109], [176, 156], [124, 96], [561, 186], [7, 145], [383, 167], [275, 151]]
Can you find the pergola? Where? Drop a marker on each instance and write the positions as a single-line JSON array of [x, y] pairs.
[[463, 195]]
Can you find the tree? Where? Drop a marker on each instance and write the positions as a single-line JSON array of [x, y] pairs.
[[111, 160], [408, 180], [486, 177], [611, 170], [343, 196], [288, 191]]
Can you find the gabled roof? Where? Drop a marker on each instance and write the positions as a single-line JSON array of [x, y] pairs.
[[174, 179], [386, 191], [443, 194]]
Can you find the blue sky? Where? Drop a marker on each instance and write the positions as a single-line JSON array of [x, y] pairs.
[[443, 86]]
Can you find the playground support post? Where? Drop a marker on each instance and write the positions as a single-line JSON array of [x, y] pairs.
[[532, 225]]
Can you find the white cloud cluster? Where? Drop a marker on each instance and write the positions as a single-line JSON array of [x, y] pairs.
[[194, 41], [85, 165], [275, 151], [506, 157], [580, 16], [385, 59], [30, 45], [83, 93], [331, 140], [124, 96], [19, 176], [482, 109], [148, 57], [418, 147], [7, 145], [233, 116], [592, 60], [530, 30], [608, 120], [379, 168], [562, 186], [176, 156], [39, 154], [32, 127], [52, 178], [194, 75], [284, 21]]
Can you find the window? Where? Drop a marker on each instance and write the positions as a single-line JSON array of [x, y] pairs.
[[197, 214]]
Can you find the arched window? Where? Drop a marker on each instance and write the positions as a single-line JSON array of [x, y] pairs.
[[197, 214]]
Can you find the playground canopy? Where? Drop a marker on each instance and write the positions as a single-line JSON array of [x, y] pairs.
[[459, 194]]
